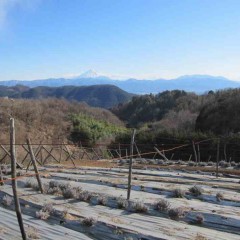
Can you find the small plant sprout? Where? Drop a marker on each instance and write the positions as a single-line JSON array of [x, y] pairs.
[[139, 207], [219, 196], [162, 205], [88, 222], [196, 191], [176, 213], [42, 215], [122, 203], [199, 219], [29, 183], [48, 207], [7, 200], [32, 233], [85, 196], [178, 193], [102, 200]]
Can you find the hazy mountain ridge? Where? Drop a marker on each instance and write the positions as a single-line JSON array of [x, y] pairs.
[[190, 83], [104, 96]]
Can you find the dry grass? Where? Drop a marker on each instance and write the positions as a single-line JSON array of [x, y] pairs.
[[32, 233], [200, 237]]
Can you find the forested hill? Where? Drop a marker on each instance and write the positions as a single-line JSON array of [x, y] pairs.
[[104, 96], [222, 113], [178, 111]]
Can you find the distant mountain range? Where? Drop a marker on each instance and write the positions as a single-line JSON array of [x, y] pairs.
[[190, 83], [105, 96]]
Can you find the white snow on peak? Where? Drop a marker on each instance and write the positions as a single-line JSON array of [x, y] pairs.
[[89, 74]]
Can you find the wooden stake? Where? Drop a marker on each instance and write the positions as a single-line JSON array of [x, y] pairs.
[[162, 155], [139, 155], [35, 165], [70, 155], [14, 181], [218, 149], [1, 176], [130, 164], [119, 149], [225, 151], [194, 151], [198, 149]]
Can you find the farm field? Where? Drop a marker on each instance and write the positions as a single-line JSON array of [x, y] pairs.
[[90, 203]]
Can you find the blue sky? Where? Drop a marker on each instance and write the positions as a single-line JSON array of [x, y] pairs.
[[137, 38]]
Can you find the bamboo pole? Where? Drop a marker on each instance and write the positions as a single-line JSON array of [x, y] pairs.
[[14, 181], [130, 164], [35, 165]]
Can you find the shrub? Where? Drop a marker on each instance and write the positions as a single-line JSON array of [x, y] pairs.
[[178, 193], [122, 203], [196, 190], [199, 219], [64, 186], [42, 215], [219, 196], [176, 213], [7, 200], [237, 166], [32, 233], [162, 205], [54, 190], [139, 207], [53, 184], [48, 207], [210, 163], [102, 200], [85, 196], [202, 164], [68, 193], [191, 164], [88, 222], [233, 164], [152, 162], [160, 162], [180, 162], [29, 183], [222, 163]]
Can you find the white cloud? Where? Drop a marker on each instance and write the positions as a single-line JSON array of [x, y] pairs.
[[6, 6]]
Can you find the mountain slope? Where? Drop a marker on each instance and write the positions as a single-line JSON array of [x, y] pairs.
[[105, 96]]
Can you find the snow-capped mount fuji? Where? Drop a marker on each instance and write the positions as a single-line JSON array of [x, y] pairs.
[[92, 74]]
